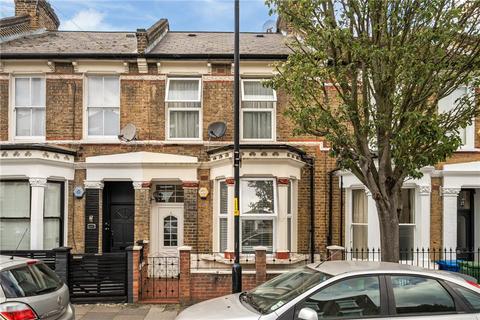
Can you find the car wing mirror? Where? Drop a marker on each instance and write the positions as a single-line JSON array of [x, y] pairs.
[[307, 314]]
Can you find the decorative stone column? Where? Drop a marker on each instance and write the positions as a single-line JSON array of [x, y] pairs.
[[423, 217], [93, 216], [282, 223], [142, 210], [190, 211], [36, 212], [450, 217], [230, 252]]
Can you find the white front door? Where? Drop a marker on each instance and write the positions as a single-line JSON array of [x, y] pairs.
[[166, 229]]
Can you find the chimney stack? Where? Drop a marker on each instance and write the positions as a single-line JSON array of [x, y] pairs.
[[40, 12]]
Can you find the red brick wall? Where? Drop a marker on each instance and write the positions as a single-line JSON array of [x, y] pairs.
[[204, 286]]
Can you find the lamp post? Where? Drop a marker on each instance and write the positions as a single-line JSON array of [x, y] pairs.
[[236, 268]]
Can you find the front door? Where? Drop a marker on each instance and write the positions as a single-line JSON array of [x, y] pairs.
[[119, 212], [167, 229], [465, 223]]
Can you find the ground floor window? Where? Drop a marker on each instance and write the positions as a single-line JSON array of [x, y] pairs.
[[406, 221], [359, 227], [258, 212], [53, 215], [14, 215]]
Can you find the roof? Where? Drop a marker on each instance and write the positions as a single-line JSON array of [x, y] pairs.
[[141, 157], [72, 42], [7, 261], [37, 146], [69, 44], [221, 43], [259, 146], [335, 268]]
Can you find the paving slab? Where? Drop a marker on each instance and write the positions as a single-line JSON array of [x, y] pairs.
[[126, 312]]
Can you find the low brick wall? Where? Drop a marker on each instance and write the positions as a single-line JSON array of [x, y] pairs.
[[206, 285]]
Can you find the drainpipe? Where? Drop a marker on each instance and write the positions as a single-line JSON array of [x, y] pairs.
[[341, 212], [330, 206], [311, 165]]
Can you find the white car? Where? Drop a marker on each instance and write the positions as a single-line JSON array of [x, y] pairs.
[[349, 290]]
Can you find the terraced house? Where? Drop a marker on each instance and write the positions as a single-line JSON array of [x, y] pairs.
[[105, 141]]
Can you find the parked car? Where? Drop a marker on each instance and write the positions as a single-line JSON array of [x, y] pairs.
[[353, 290], [31, 290]]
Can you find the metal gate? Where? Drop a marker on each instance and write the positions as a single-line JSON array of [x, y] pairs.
[[98, 277], [159, 277]]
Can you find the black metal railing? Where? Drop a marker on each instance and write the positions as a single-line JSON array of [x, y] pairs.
[[466, 261], [159, 278]]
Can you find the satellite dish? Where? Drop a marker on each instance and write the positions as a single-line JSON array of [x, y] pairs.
[[217, 129], [128, 133], [269, 26]]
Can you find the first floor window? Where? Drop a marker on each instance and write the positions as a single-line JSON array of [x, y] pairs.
[[452, 101], [258, 110], [29, 106], [359, 221], [103, 105], [406, 221], [258, 211], [14, 215], [183, 103], [52, 216]]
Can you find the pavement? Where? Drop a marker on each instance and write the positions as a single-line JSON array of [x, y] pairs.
[[126, 311]]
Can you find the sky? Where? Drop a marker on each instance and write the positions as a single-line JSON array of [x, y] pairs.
[[129, 15]]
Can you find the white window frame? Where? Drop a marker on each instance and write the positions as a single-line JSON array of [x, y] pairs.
[[13, 107], [469, 130], [273, 111], [199, 110], [108, 138], [220, 215], [352, 224], [253, 216], [413, 195]]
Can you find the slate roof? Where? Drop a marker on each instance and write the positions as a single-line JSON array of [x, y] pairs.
[[72, 42], [221, 43], [173, 44]]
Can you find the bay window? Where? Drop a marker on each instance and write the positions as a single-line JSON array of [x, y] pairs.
[[14, 215], [29, 106], [258, 212], [223, 216], [183, 103], [258, 110], [103, 105], [52, 216], [359, 226]]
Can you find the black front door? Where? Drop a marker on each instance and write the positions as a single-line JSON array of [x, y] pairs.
[[465, 223], [119, 212]]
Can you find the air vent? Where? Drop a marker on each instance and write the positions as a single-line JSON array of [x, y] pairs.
[[192, 35], [259, 35], [130, 36]]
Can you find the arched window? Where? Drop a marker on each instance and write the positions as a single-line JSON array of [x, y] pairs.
[[170, 231]]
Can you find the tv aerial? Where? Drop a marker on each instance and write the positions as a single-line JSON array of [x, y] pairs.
[[217, 129], [128, 133]]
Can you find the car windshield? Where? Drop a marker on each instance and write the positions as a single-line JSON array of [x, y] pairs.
[[274, 293], [29, 280]]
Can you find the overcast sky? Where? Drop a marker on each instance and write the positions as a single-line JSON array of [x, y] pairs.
[[128, 15]]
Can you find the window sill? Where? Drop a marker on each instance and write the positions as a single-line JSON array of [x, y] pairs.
[[468, 149], [32, 139], [184, 141]]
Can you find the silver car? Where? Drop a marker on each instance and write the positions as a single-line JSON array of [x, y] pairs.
[[349, 290], [31, 290]]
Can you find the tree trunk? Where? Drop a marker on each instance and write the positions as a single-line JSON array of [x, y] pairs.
[[388, 209]]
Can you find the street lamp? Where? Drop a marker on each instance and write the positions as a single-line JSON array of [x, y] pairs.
[[236, 268]]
